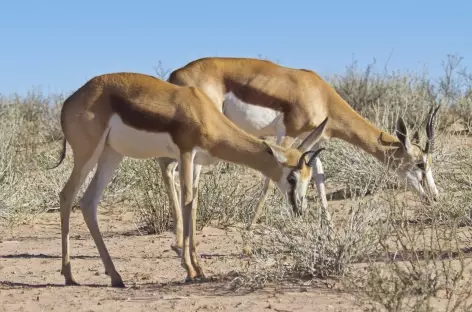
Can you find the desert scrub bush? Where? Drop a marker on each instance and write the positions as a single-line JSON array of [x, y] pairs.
[[22, 122], [149, 196], [227, 195], [30, 135], [390, 249], [37, 118], [288, 247], [386, 94], [464, 110], [9, 173], [421, 263], [304, 247]]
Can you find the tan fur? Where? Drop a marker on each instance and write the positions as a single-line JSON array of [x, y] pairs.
[[261, 83], [305, 98], [152, 105], [305, 173]]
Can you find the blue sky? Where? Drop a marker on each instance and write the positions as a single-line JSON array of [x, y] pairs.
[[57, 45]]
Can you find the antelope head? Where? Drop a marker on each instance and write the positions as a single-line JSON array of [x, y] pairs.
[[296, 168], [416, 162]]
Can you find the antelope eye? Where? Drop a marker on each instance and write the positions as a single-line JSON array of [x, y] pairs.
[[291, 179], [421, 165]]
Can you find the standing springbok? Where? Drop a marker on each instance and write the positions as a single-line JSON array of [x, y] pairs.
[[140, 116], [266, 99]]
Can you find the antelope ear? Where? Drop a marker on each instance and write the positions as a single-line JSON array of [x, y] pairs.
[[276, 152], [313, 137], [402, 135]]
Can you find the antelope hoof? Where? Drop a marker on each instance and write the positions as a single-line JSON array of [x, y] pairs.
[[117, 284], [71, 282], [177, 250], [195, 280]]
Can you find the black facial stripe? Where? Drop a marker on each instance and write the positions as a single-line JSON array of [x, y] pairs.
[[291, 194], [291, 179], [421, 165]]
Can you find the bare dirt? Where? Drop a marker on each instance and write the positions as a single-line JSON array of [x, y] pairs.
[[30, 279]]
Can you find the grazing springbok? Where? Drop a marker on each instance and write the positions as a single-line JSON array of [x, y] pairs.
[[266, 99], [140, 116]]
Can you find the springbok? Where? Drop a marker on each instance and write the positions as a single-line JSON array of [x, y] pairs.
[[140, 116], [266, 99]]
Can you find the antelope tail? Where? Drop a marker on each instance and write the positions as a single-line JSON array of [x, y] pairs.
[[63, 154]]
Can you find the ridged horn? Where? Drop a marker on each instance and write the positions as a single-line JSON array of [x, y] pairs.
[[430, 130]]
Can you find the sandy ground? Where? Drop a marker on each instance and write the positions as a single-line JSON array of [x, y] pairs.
[[30, 279]]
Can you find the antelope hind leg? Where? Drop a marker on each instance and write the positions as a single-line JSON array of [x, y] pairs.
[[107, 165], [168, 166]]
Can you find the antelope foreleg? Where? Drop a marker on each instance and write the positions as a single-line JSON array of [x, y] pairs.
[[196, 180], [320, 185], [186, 186]]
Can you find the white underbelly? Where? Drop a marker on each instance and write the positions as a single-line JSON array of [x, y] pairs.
[[257, 120], [140, 144], [134, 143]]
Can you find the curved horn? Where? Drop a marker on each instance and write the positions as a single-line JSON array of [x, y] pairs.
[[311, 161], [302, 158], [430, 130]]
